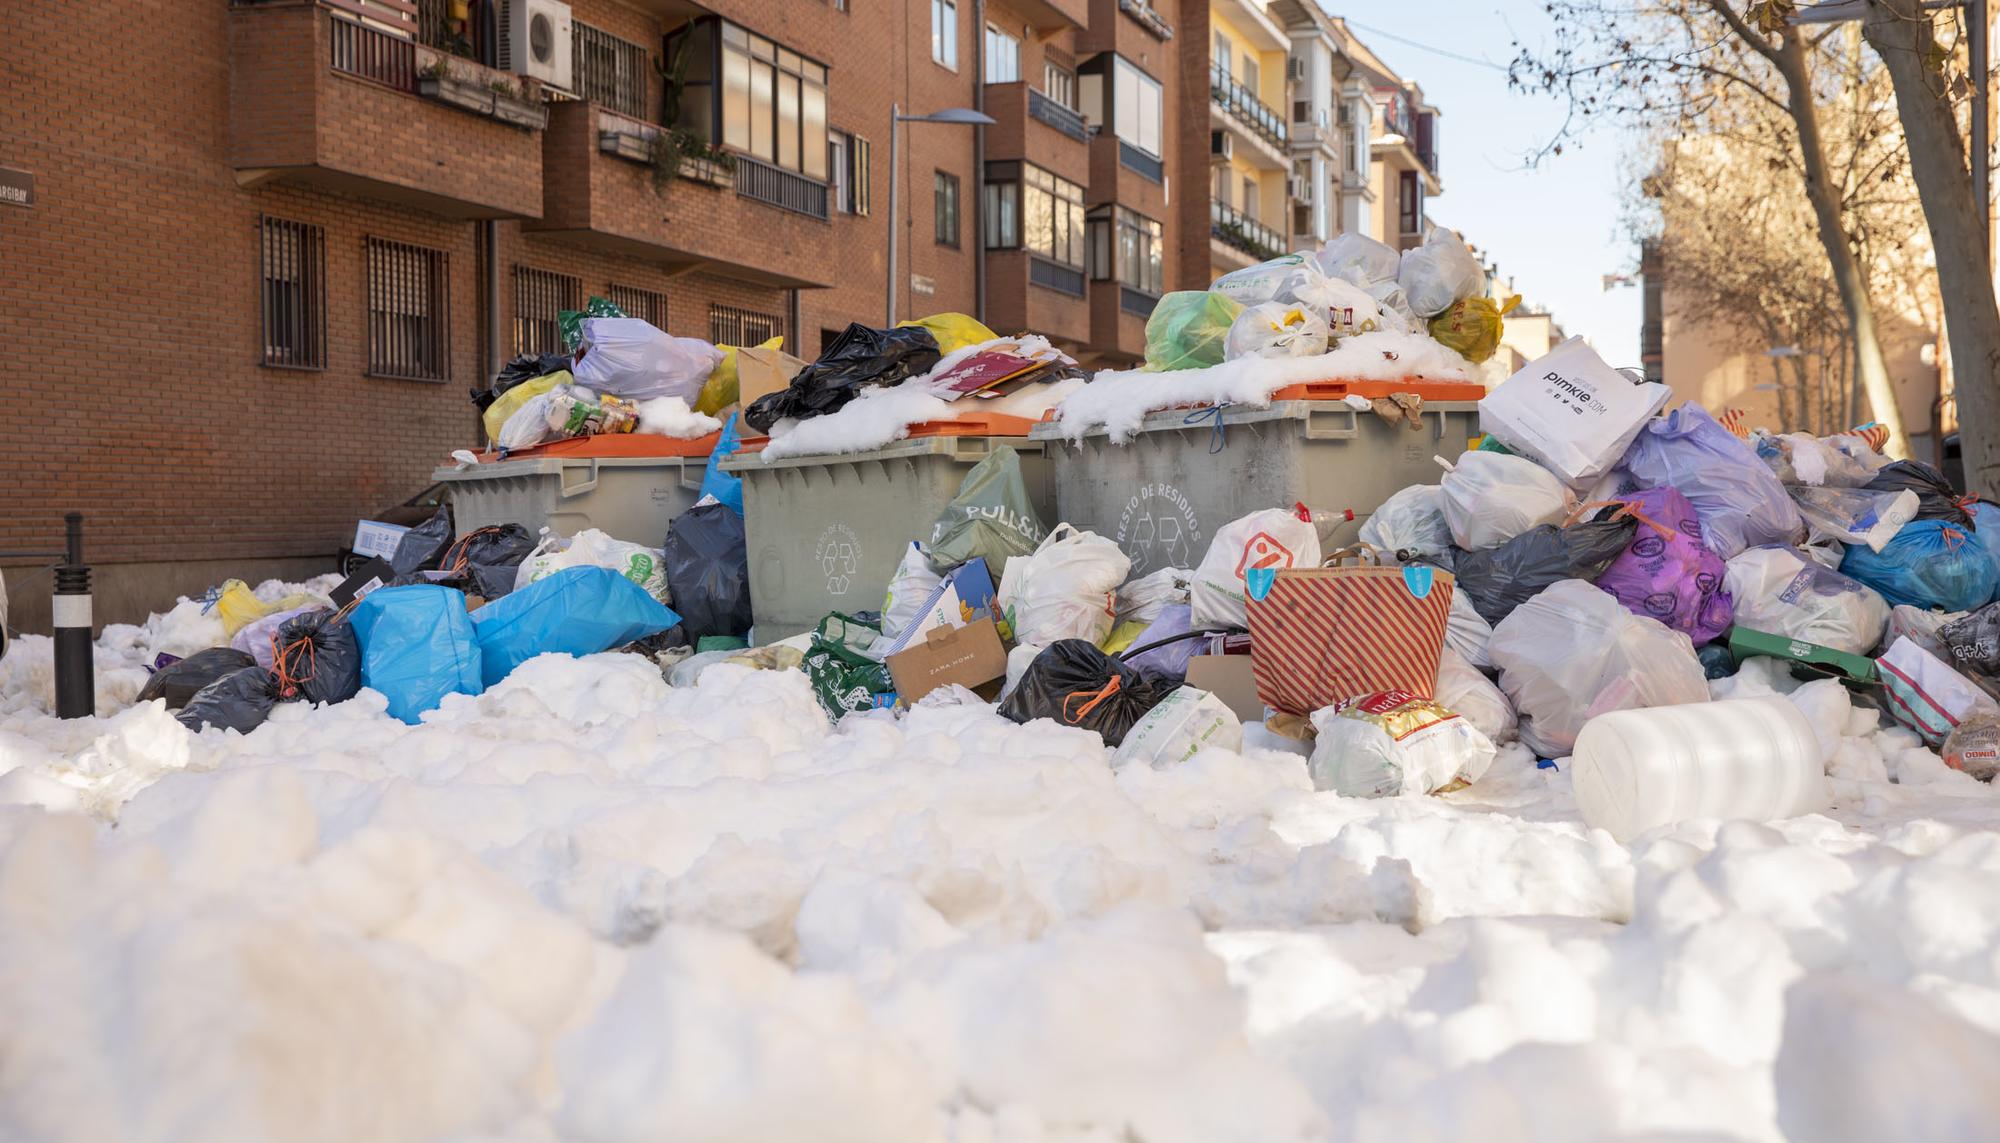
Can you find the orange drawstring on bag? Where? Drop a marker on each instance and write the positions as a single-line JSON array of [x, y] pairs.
[[1096, 697]]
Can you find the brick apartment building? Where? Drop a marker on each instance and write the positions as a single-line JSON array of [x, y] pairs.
[[274, 242]]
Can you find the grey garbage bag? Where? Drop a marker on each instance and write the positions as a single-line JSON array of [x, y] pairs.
[[1497, 580], [239, 702], [182, 679], [708, 571], [422, 548], [991, 517]]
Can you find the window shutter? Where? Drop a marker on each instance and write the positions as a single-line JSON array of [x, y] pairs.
[[857, 154]]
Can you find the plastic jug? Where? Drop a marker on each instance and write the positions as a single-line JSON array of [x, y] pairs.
[[1757, 758]]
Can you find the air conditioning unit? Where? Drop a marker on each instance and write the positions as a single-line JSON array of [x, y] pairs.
[[1220, 145], [1295, 69], [535, 41], [1299, 188]]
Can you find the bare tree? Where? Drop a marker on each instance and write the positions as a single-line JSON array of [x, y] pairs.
[[1674, 60]]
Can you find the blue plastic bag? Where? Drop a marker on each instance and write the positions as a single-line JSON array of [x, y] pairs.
[[577, 611], [1986, 518], [724, 486], [1929, 563], [1740, 500], [417, 646]]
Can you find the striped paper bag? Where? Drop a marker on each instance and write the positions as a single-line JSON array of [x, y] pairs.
[[1321, 635]]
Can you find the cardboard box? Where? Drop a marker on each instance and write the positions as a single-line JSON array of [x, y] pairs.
[[374, 538], [1809, 660], [763, 371], [971, 656], [371, 575], [964, 595], [1229, 678]]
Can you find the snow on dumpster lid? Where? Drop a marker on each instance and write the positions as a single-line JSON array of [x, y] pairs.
[[612, 444]]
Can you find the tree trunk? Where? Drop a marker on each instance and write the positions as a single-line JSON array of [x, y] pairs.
[[1847, 275], [1901, 34]]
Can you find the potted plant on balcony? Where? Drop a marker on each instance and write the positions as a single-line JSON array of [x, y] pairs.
[[677, 152], [515, 102], [497, 98]]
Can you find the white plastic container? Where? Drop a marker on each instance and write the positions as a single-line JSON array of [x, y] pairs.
[[1636, 770]]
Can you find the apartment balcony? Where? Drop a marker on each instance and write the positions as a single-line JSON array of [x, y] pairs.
[[1237, 240], [1122, 173], [323, 99], [1258, 131], [1132, 28], [756, 223], [1027, 291], [1033, 128]]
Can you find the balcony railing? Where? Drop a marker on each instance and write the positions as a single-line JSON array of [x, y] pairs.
[[1057, 116], [1241, 102], [1055, 276], [1233, 228], [1133, 159], [786, 190], [370, 53]]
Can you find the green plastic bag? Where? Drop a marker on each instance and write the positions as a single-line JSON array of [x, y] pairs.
[[1187, 329], [843, 677], [991, 517], [571, 321]]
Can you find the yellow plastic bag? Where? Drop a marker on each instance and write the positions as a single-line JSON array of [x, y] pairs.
[[953, 331], [511, 401], [1123, 636], [1472, 326], [721, 389], [1188, 328], [238, 607]]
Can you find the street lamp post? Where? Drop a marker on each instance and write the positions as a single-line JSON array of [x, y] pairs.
[[962, 116]]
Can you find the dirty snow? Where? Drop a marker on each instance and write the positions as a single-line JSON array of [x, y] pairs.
[[1116, 401], [587, 906]]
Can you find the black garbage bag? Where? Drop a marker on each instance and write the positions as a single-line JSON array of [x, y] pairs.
[[485, 561], [1500, 579], [179, 681], [422, 548], [318, 659], [240, 701], [1716, 661], [1076, 684], [1936, 498], [858, 358], [1974, 643], [708, 571]]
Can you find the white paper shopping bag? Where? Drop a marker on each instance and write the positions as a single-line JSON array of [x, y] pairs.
[[1570, 411]]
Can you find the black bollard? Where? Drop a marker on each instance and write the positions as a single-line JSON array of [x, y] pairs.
[[76, 675]]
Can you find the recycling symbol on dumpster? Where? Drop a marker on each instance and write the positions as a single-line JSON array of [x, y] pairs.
[[839, 556], [1157, 529]]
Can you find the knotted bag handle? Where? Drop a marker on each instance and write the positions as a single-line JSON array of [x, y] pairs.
[[1625, 508]]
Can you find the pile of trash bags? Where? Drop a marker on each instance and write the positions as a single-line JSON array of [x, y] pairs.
[[1302, 304]]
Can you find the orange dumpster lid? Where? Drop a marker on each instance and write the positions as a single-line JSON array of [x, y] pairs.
[[613, 445], [1335, 390], [972, 425]]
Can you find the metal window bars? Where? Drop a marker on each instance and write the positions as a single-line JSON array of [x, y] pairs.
[[409, 311], [649, 305], [368, 52], [292, 293], [610, 71], [540, 296], [728, 325]]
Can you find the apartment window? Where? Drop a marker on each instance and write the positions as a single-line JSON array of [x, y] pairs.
[[1127, 247], [756, 96], [609, 70], [1003, 56], [1059, 84], [1250, 75], [1409, 203], [293, 299], [944, 199], [540, 296], [1250, 199], [1223, 53], [409, 311], [1359, 123], [1117, 93], [944, 33], [847, 161], [1035, 210], [728, 325], [651, 305]]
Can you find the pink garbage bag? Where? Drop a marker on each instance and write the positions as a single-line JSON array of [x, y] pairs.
[[1668, 573]]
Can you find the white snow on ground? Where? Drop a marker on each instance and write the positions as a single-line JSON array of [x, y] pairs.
[[586, 906], [1116, 401]]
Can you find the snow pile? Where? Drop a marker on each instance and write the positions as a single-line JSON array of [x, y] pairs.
[[587, 906], [1117, 401], [671, 417]]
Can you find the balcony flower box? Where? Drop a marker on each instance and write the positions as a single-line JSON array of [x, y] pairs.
[[467, 95], [635, 145]]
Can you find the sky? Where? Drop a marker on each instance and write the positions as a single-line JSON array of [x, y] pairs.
[[1553, 228]]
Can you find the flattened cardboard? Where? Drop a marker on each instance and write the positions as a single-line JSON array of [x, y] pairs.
[[762, 371], [1229, 678], [971, 656], [371, 575]]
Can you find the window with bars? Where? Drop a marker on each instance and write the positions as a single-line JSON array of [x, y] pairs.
[[944, 193], [609, 70], [540, 296], [728, 325], [650, 305], [292, 295], [409, 311]]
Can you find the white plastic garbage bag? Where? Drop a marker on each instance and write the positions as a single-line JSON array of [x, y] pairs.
[[1254, 285], [592, 548], [1438, 273], [630, 357], [1843, 461], [1920, 626], [1412, 521], [1574, 652], [1855, 515], [1182, 725], [1065, 589], [1490, 498], [1273, 538], [1570, 411], [909, 588], [1359, 259], [1780, 591], [1467, 632], [1142, 600], [1276, 329], [1348, 308], [1465, 690], [528, 425], [1741, 501], [1383, 745]]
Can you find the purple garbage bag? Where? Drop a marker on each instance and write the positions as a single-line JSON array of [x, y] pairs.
[[1668, 573], [1741, 501]]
